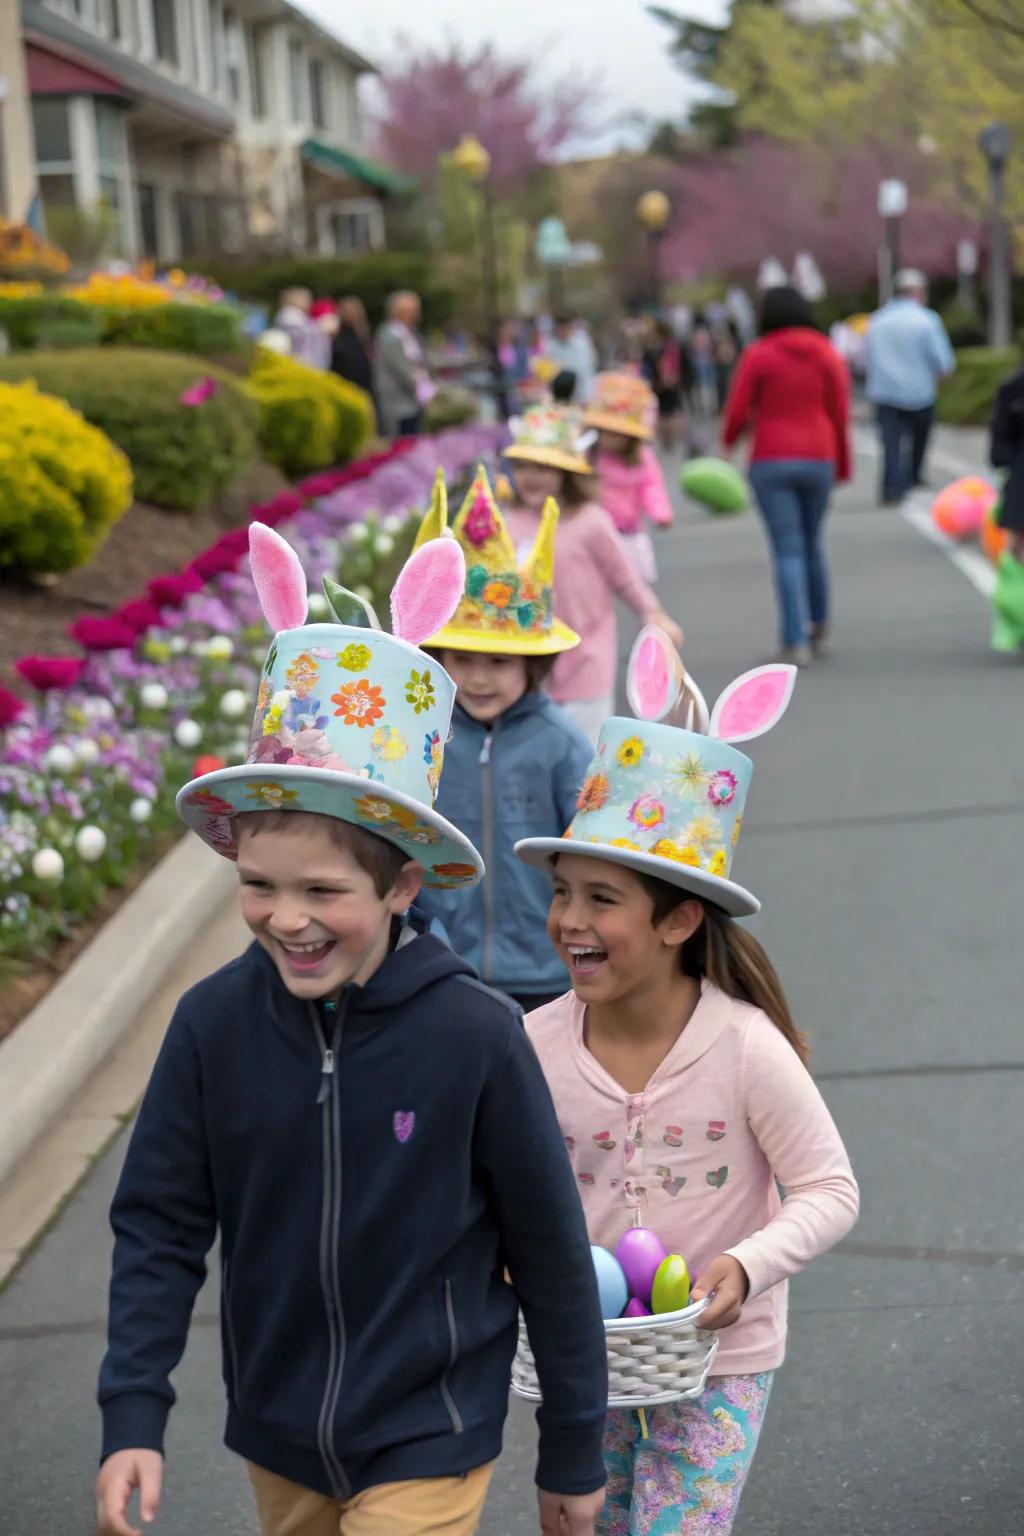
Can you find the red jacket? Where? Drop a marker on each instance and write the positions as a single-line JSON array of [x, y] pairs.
[[793, 389]]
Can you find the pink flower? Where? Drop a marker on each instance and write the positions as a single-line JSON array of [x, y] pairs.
[[47, 673], [96, 634], [647, 811], [11, 707], [138, 615], [198, 394], [479, 524], [722, 787], [215, 561], [171, 591], [317, 485]]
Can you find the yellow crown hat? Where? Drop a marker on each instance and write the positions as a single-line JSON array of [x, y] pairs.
[[505, 609]]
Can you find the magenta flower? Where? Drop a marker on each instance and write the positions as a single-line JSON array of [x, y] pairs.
[[722, 787], [171, 591], [198, 394], [11, 707], [97, 634], [138, 615], [50, 673], [479, 524]]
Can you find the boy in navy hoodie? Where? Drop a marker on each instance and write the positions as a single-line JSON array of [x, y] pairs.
[[362, 1123]]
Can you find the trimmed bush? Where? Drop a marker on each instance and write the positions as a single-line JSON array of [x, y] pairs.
[[309, 420], [203, 329], [28, 321], [63, 484], [372, 278], [183, 456], [966, 398]]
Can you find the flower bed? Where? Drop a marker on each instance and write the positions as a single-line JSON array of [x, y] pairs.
[[89, 767]]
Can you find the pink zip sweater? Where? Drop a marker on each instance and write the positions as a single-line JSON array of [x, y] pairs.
[[591, 570], [632, 492], [729, 1111]]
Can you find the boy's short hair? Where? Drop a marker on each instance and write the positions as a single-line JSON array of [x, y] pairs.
[[538, 668], [381, 860]]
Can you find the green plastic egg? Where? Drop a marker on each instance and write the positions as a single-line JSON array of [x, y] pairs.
[[715, 483], [671, 1289]]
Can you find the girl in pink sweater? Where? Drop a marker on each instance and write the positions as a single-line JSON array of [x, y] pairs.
[[679, 1077], [622, 411], [591, 566]]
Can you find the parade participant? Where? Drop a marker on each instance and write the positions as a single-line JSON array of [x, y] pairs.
[[591, 566], [632, 487], [678, 1074], [335, 1104], [515, 761]]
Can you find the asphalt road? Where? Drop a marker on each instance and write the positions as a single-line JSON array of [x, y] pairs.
[[885, 833]]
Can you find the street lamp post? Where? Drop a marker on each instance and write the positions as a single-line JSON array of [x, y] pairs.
[[554, 250], [994, 142], [892, 205], [653, 210], [470, 156]]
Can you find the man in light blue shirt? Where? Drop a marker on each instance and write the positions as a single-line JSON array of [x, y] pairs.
[[908, 353]]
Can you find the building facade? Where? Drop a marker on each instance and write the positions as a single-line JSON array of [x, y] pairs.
[[199, 125]]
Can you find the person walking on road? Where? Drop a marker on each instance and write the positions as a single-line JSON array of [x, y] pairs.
[[792, 389], [908, 352]]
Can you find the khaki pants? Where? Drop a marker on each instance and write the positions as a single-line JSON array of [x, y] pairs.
[[429, 1506]]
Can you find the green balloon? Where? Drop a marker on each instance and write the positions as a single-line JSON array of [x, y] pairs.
[[671, 1289], [715, 484]]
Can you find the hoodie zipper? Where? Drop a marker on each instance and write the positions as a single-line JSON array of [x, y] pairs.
[[487, 800], [330, 1226]]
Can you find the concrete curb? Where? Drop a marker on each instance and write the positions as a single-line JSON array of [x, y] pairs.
[[54, 1051]]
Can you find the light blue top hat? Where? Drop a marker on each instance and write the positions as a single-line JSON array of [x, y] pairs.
[[666, 799], [350, 722]]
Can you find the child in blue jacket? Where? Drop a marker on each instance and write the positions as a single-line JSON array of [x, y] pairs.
[[515, 761]]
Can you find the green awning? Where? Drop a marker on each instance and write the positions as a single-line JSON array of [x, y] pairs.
[[357, 168]]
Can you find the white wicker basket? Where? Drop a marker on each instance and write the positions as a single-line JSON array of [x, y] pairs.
[[651, 1360]]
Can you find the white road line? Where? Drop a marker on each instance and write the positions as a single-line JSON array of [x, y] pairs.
[[916, 511]]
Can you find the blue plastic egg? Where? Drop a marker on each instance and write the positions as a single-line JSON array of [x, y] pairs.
[[611, 1283]]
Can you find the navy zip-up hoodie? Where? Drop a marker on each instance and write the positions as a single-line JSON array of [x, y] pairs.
[[369, 1189]]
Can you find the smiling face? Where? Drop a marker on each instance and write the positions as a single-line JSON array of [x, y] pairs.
[[600, 922], [535, 483], [312, 906], [487, 685]]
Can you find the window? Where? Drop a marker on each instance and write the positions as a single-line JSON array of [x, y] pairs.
[[165, 31], [57, 191], [234, 50], [318, 92], [296, 71], [148, 228], [185, 212], [110, 191], [109, 142], [257, 75], [52, 129], [351, 232]]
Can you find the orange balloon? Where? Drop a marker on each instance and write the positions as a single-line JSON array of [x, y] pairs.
[[993, 538]]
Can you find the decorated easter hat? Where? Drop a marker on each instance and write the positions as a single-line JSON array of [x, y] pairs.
[[505, 609], [552, 435], [350, 722], [666, 799], [622, 402]]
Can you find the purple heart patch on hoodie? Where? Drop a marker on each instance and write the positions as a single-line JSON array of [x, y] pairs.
[[404, 1124]]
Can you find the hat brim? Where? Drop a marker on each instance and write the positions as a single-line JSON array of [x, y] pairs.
[[732, 898], [555, 640], [551, 458], [611, 423], [208, 804]]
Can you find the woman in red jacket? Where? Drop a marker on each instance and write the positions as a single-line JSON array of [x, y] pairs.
[[791, 389]]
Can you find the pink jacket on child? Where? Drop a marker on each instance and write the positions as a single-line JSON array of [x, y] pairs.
[[632, 492], [729, 1111]]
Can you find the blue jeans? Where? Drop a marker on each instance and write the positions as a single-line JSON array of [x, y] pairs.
[[904, 437], [793, 496]]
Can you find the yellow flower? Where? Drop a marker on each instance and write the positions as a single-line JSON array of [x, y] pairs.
[[389, 743], [272, 720], [354, 657], [716, 864], [736, 830], [704, 832], [631, 751], [665, 848], [624, 842], [271, 795]]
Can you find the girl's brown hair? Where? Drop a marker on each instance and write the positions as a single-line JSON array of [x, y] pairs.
[[730, 958], [576, 490]]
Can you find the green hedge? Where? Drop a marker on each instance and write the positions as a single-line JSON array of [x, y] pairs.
[[183, 457], [965, 399], [371, 278], [308, 420], [57, 320]]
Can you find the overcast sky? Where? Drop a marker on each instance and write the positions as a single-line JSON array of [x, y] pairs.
[[613, 39]]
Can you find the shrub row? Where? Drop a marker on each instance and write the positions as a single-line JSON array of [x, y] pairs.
[[57, 320]]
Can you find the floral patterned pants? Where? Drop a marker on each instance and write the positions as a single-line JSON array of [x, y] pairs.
[[685, 1477]]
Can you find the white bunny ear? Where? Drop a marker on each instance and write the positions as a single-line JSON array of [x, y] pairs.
[[753, 703], [586, 441]]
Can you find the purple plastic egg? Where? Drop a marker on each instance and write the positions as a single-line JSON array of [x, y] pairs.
[[636, 1308], [640, 1253]]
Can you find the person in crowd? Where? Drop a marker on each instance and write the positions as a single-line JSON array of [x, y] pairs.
[[791, 391], [402, 382], [908, 353], [705, 378], [666, 366], [514, 761], [350, 350], [631, 485], [592, 568], [571, 348], [308, 343], [681, 1084]]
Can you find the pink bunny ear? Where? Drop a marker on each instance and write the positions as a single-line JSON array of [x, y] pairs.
[[753, 703], [279, 578], [428, 590], [651, 677]]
